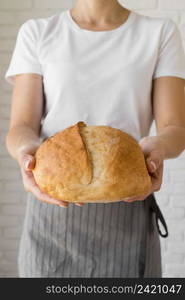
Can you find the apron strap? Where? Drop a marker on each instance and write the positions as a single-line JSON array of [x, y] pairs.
[[158, 217]]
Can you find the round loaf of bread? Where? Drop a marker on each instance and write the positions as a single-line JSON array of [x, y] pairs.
[[91, 164]]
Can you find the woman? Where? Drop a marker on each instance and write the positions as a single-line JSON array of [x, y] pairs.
[[105, 65]]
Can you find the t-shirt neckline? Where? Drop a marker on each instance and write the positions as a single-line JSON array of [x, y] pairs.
[[122, 27]]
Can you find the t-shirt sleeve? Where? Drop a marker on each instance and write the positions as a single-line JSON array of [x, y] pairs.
[[25, 55], [171, 56]]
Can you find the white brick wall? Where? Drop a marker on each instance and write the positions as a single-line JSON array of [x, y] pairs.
[[171, 198], [171, 4], [15, 5]]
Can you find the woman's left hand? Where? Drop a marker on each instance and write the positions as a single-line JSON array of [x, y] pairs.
[[153, 150]]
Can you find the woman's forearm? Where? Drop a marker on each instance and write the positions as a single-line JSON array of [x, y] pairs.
[[173, 139], [21, 139]]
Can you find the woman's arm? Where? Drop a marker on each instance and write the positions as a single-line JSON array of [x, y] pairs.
[[26, 114], [169, 114], [168, 99], [23, 137]]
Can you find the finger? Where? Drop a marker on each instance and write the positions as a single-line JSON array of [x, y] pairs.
[[156, 186], [31, 185], [131, 199], [27, 162], [154, 161], [79, 204], [142, 198], [28, 178], [156, 179], [151, 165], [64, 204], [137, 198], [31, 164], [46, 198]]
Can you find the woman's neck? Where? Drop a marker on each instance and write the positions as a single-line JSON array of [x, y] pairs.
[[98, 12]]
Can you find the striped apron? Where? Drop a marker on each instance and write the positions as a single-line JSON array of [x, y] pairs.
[[117, 239]]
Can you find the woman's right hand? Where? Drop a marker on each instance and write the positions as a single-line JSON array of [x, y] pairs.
[[27, 164]]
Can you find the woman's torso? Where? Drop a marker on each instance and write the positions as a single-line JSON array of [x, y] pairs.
[[101, 78]]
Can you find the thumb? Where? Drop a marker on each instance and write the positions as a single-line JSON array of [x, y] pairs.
[[27, 162], [153, 162]]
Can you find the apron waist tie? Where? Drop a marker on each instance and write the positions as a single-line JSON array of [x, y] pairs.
[[158, 217]]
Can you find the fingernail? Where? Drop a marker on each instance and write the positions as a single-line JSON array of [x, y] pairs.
[[27, 163], [153, 165]]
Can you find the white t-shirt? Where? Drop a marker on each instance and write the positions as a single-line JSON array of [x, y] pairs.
[[99, 77]]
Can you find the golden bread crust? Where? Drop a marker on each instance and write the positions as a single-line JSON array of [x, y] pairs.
[[91, 164]]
